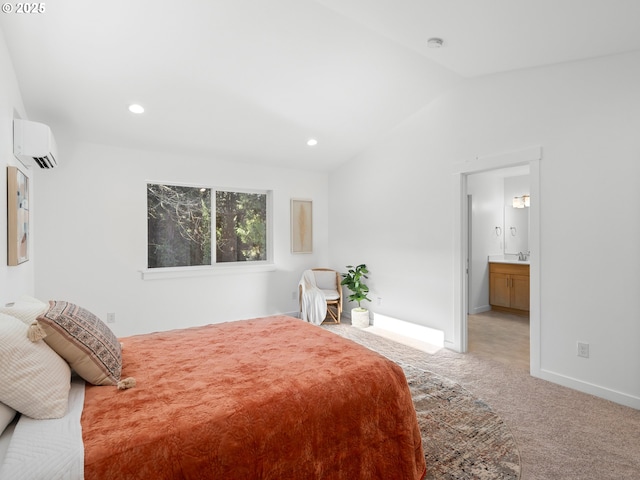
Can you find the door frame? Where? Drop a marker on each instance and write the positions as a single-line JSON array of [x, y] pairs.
[[532, 157]]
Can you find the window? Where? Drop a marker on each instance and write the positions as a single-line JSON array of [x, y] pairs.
[[179, 226], [241, 226]]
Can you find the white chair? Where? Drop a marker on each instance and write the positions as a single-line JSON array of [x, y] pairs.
[[320, 296]]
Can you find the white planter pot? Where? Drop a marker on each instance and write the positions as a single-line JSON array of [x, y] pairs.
[[360, 317]]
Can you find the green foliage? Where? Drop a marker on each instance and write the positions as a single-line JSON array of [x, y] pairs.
[[353, 281], [179, 226], [241, 226]]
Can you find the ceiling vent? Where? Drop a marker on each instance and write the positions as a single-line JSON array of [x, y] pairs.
[[33, 143]]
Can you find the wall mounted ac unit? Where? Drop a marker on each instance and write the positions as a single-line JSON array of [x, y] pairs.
[[33, 142]]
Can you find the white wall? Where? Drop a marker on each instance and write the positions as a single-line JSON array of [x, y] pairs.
[[92, 238], [487, 212], [586, 116], [17, 280]]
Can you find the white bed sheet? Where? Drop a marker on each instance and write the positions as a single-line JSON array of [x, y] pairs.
[[5, 438], [47, 449]]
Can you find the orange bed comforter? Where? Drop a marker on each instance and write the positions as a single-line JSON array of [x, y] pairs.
[[269, 398]]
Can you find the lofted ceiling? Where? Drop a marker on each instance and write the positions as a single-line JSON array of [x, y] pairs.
[[253, 80]]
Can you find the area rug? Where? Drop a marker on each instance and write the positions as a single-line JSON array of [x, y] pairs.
[[462, 438]]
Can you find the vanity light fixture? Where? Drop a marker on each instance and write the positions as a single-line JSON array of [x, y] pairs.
[[521, 202], [135, 108]]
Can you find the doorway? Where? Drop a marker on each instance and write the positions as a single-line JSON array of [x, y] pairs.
[[499, 232], [529, 156]]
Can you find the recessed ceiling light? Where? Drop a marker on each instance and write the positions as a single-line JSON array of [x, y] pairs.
[[135, 108], [312, 142], [435, 42]]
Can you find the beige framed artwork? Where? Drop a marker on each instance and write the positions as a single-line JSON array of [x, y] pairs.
[[17, 216], [301, 226]]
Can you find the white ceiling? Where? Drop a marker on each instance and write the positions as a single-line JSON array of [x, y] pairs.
[[253, 80]]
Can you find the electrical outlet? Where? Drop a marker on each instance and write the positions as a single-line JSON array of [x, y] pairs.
[[583, 349], [379, 300], [294, 295], [111, 317]]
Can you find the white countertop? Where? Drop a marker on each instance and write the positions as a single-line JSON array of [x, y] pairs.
[[508, 259]]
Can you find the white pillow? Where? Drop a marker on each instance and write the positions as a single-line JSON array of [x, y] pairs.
[[34, 380], [26, 309], [6, 416]]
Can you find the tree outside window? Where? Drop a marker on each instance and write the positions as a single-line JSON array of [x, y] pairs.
[[180, 220]]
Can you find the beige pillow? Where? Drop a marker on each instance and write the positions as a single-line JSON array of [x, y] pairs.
[[34, 380], [26, 309], [83, 340]]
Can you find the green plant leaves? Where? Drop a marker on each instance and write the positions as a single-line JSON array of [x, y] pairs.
[[353, 281]]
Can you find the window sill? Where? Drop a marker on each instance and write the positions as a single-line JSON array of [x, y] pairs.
[[205, 271]]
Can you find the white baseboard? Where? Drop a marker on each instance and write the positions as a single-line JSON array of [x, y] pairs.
[[408, 329], [449, 345], [590, 388], [481, 309]]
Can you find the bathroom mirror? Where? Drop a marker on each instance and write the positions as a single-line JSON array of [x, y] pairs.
[[516, 230]]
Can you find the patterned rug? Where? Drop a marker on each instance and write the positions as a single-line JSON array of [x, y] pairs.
[[462, 438]]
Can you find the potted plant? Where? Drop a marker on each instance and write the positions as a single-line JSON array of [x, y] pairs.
[[353, 281]]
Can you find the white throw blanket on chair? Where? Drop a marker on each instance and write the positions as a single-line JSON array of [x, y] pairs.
[[313, 302]]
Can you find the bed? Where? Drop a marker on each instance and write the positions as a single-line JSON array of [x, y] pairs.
[[267, 398]]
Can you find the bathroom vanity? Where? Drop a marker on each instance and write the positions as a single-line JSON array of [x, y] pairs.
[[509, 286]]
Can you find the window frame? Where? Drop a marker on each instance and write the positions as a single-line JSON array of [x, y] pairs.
[[250, 266]]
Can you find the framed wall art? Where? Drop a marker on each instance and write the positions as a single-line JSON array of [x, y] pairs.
[[301, 226], [17, 217]]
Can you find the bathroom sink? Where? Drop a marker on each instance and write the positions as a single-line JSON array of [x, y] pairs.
[[508, 259]]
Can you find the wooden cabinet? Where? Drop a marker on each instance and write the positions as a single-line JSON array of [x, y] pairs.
[[509, 287]]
